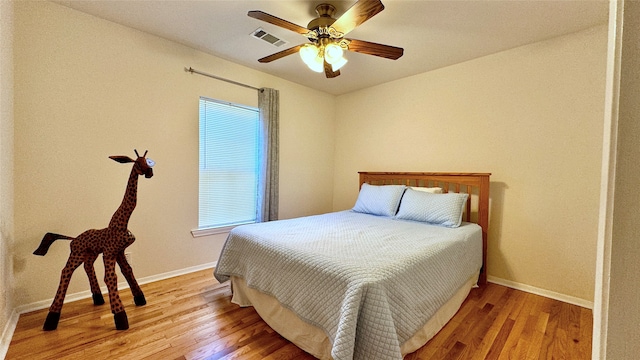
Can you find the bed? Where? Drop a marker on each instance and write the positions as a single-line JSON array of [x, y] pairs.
[[374, 282]]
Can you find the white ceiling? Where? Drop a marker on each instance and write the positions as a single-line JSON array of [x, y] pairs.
[[433, 34]]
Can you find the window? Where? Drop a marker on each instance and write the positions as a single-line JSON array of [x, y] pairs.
[[229, 165]]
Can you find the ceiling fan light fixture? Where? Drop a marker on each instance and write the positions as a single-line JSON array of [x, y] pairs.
[[317, 64], [333, 53], [308, 53], [312, 56]]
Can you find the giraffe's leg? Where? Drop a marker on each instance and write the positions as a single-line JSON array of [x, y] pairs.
[[127, 271], [110, 278], [89, 259], [51, 323]]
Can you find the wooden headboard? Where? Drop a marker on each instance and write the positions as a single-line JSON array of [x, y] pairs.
[[474, 184]]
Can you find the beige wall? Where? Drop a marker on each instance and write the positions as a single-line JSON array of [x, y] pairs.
[[6, 165], [85, 89], [623, 336], [532, 116]]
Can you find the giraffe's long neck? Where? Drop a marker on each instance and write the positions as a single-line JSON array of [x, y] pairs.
[[120, 218]]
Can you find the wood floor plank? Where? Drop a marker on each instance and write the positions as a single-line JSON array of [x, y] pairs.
[[538, 336], [584, 337], [520, 315], [502, 309], [191, 317], [498, 345]]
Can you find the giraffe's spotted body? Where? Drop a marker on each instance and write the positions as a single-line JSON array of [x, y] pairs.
[[111, 242]]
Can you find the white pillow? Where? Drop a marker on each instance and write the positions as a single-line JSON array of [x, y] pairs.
[[433, 190], [380, 200], [437, 209]]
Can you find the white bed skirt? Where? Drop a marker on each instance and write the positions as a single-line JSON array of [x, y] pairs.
[[314, 340]]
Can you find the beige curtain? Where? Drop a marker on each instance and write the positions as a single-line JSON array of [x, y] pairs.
[[269, 103]]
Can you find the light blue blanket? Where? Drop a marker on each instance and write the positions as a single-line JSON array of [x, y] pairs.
[[370, 282]]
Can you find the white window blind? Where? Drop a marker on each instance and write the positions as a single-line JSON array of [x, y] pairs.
[[229, 164]]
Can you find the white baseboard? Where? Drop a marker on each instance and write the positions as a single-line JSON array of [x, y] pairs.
[[542, 292], [121, 285], [7, 333]]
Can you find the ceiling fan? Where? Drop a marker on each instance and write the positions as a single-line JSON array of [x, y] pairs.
[[327, 43]]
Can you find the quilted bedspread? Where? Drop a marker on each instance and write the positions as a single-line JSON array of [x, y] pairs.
[[369, 282]]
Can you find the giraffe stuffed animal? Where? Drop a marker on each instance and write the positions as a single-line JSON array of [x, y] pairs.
[[111, 242]]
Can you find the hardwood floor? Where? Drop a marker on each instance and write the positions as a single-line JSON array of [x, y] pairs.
[[191, 317]]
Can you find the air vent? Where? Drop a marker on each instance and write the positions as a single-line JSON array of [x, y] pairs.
[[261, 34]]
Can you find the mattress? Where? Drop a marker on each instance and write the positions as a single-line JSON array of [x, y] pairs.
[[369, 282]]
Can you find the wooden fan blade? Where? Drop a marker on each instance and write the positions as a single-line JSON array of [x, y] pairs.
[[328, 71], [261, 15], [360, 12], [369, 48], [280, 54]]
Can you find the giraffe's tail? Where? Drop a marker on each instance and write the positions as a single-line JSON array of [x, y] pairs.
[[46, 242]]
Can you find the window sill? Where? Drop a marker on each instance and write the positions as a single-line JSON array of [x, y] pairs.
[[214, 230]]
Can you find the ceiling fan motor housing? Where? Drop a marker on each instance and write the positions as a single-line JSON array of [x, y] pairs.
[[324, 20]]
